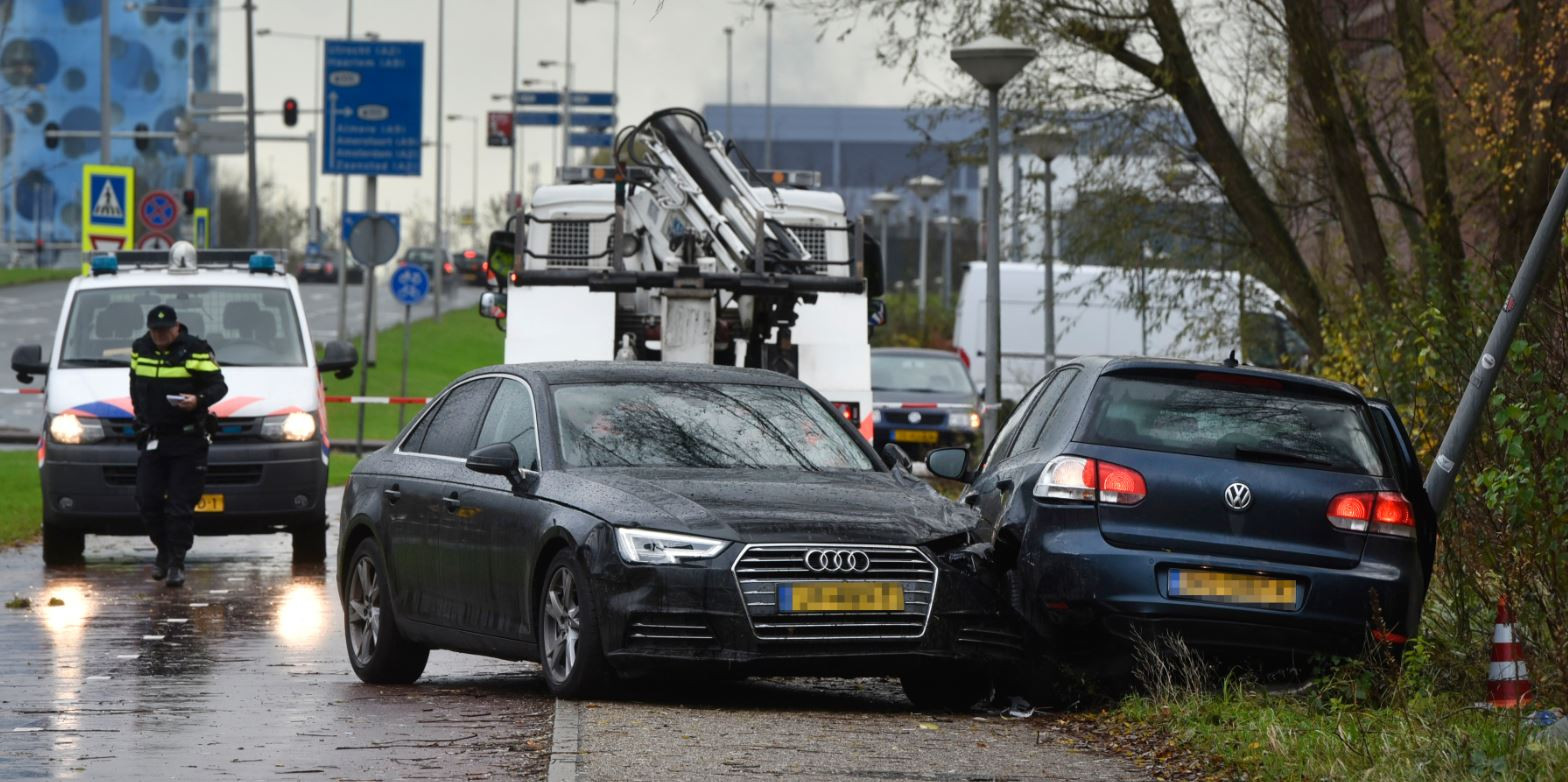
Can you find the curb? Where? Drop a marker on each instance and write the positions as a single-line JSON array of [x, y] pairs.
[[563, 742]]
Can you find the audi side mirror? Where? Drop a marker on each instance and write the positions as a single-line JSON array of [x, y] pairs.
[[949, 463], [501, 459], [339, 358], [27, 361], [895, 456]]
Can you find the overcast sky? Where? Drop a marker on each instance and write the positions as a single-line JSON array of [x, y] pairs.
[[671, 55]]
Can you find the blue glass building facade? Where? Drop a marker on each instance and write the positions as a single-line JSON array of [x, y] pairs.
[[49, 73]]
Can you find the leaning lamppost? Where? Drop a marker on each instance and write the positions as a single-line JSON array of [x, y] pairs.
[[923, 186], [883, 203], [1049, 142], [992, 61]]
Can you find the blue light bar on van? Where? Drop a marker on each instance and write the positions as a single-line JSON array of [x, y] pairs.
[[105, 264], [261, 263]]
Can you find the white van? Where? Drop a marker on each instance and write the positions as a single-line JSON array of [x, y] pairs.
[[1191, 314], [267, 467]]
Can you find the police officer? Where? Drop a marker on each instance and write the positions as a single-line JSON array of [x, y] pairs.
[[174, 379]]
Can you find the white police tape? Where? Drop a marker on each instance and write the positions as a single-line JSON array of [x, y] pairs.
[[379, 400]]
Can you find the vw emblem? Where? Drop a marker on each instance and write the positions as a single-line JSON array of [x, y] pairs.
[[1238, 496], [823, 560], [914, 418]]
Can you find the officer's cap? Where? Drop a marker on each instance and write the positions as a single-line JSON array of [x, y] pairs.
[[161, 317]]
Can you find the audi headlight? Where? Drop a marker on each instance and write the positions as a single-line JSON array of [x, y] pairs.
[[664, 548], [296, 427], [72, 429]]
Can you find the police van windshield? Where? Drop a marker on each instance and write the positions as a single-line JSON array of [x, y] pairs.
[[247, 327]]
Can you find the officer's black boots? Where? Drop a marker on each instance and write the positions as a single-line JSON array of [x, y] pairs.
[[176, 577], [160, 566]]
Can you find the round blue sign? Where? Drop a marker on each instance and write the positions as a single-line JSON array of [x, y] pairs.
[[159, 210], [410, 285]]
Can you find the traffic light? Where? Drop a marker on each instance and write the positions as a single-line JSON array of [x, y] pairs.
[[141, 137], [290, 111], [50, 139], [189, 198]]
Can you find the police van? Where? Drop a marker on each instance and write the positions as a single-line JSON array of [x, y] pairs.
[[267, 466]]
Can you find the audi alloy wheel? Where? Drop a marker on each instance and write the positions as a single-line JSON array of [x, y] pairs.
[[569, 647], [377, 651]]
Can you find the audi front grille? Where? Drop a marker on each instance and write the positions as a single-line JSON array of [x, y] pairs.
[[762, 568]]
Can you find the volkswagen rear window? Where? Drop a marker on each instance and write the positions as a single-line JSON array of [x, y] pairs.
[[1231, 422]]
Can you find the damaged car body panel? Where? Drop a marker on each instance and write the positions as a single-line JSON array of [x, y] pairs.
[[708, 516], [1240, 509]]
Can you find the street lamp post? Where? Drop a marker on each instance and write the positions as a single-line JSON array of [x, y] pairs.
[[729, 82], [554, 86], [566, 94], [514, 200], [924, 186], [1049, 142], [103, 89], [767, 111], [883, 203], [473, 119], [948, 223], [993, 61]]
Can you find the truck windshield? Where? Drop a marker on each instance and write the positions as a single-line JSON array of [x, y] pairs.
[[713, 425], [920, 374], [254, 327]]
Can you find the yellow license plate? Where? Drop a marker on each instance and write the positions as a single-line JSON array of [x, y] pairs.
[[851, 596], [914, 436], [1238, 588], [210, 503]]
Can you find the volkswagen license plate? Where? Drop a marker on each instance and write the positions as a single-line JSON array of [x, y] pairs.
[[914, 436], [848, 596], [210, 503], [1236, 588]]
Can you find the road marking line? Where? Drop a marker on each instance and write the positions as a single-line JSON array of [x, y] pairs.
[[217, 591], [152, 638], [126, 656], [198, 605], [563, 742], [99, 677]]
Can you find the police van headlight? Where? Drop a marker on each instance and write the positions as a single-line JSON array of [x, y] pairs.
[[296, 427], [73, 429]]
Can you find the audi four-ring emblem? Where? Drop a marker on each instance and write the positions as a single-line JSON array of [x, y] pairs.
[[827, 560]]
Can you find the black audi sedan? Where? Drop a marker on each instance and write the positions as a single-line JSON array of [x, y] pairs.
[[610, 519], [1244, 510], [922, 399]]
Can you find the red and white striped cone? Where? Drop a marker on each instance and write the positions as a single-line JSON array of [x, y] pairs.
[[1507, 680]]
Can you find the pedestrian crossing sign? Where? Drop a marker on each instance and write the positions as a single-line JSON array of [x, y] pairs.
[[108, 198]]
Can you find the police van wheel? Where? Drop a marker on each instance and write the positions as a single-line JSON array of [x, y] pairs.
[[378, 653], [63, 546], [310, 543]]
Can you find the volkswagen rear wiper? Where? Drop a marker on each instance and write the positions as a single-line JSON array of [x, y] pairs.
[[1257, 455]]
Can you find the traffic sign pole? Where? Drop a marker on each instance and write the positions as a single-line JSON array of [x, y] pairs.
[[370, 310], [409, 286], [402, 389]]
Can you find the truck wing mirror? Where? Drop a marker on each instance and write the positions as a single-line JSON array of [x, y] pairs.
[[27, 361], [339, 358], [502, 254], [492, 305]]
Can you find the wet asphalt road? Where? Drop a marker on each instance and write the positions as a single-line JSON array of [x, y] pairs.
[[29, 315], [240, 675]]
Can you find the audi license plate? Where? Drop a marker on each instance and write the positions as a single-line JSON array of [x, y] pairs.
[[914, 436], [1237, 588], [210, 503], [848, 596]]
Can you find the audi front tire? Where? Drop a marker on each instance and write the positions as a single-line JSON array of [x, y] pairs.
[[571, 651], [377, 651]]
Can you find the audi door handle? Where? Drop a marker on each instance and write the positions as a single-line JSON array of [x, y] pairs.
[[452, 502], [392, 494]]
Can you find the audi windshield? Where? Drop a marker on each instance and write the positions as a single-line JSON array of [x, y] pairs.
[[726, 425]]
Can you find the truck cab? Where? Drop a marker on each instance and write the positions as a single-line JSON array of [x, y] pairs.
[[267, 465]]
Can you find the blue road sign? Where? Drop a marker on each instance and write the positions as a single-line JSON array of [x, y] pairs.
[[374, 102], [593, 99], [538, 118], [410, 285], [351, 219], [107, 194], [312, 248], [592, 119], [538, 98], [158, 210], [591, 139]]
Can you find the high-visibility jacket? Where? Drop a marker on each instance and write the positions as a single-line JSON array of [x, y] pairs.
[[188, 366]]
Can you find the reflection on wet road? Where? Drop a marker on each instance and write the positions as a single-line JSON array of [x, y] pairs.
[[239, 675]]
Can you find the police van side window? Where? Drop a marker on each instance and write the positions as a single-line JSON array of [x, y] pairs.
[[453, 427], [511, 420]]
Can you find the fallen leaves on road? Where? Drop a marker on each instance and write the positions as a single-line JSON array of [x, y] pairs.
[[1148, 746]]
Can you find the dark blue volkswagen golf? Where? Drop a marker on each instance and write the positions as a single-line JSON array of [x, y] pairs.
[[1233, 506]]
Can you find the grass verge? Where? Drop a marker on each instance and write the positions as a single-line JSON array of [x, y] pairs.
[[24, 276], [439, 352], [1361, 721], [21, 505], [339, 466]]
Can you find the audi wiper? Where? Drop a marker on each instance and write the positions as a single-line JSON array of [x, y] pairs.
[[1281, 457]]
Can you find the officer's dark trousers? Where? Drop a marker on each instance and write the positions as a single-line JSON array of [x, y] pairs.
[[169, 482]]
